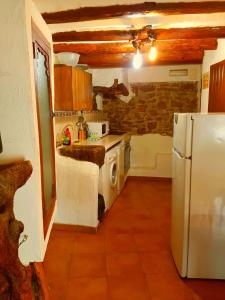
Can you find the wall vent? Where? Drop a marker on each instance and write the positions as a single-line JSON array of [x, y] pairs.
[[178, 72]]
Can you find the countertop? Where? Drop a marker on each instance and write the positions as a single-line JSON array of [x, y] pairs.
[[107, 141]]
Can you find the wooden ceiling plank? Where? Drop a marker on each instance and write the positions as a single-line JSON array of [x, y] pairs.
[[126, 47], [115, 11], [124, 35], [125, 60]]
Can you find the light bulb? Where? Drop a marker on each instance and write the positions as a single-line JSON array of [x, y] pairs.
[[137, 60], [152, 53]]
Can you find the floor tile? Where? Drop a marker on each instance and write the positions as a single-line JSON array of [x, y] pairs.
[[128, 287], [88, 265], [207, 289], [115, 242], [87, 288], [157, 262], [150, 242], [119, 264], [89, 243], [58, 289], [169, 287]]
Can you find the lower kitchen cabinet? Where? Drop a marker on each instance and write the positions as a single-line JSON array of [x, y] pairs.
[[73, 88]]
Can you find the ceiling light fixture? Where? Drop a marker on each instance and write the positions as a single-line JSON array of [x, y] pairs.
[[139, 40], [137, 59], [153, 51]]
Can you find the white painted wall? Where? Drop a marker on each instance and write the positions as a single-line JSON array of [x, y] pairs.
[[18, 119], [151, 154], [211, 57], [106, 77], [77, 192]]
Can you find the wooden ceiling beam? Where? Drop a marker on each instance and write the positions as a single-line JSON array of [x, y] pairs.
[[115, 48], [125, 35], [125, 60], [115, 11]]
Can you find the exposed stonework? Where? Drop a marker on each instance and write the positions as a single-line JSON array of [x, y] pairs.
[[151, 109]]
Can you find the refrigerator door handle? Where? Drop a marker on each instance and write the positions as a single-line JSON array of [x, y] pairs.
[[180, 155]]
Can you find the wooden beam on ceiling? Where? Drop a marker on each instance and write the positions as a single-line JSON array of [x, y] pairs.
[[126, 47], [115, 11], [125, 35], [125, 60]]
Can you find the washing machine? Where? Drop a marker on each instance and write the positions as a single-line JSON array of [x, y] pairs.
[[121, 177], [108, 177]]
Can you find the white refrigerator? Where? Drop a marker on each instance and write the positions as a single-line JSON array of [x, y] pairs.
[[198, 195]]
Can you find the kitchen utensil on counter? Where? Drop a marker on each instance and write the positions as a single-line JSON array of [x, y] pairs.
[[82, 128]]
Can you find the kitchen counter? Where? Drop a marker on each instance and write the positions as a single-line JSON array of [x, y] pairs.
[[107, 141]]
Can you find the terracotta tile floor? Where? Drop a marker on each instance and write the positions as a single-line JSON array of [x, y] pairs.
[[129, 258]]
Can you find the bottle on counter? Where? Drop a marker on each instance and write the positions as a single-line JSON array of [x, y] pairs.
[[67, 137], [82, 128]]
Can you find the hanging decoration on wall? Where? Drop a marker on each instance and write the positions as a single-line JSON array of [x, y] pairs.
[[138, 43], [113, 91]]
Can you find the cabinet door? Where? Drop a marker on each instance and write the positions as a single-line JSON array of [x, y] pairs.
[[63, 88], [78, 89], [88, 91]]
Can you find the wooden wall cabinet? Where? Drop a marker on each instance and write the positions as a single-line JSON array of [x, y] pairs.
[[73, 89]]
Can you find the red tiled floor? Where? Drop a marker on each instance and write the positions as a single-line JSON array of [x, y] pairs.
[[119, 264], [157, 262], [119, 242], [128, 258], [128, 287], [88, 265], [89, 243], [169, 287], [87, 288], [150, 242]]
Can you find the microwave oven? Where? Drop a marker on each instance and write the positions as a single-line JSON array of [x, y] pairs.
[[98, 128]]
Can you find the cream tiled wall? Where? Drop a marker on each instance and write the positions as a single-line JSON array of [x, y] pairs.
[[64, 121]]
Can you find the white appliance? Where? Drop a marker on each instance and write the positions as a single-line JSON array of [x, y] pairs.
[[123, 149], [198, 195], [108, 177], [120, 162], [98, 128]]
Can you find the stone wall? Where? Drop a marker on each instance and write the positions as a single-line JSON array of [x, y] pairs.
[[151, 109]]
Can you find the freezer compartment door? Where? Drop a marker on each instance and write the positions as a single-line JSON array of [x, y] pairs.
[[180, 211], [182, 134]]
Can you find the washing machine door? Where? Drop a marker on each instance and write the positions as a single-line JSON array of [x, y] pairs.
[[113, 174]]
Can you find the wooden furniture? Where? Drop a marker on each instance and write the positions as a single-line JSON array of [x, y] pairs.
[[15, 279], [217, 87], [73, 89]]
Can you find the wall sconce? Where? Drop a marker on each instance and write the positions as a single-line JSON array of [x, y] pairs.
[[153, 51], [137, 59]]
